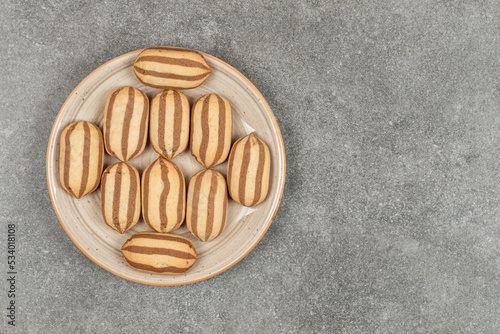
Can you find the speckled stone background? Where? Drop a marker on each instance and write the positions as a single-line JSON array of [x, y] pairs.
[[390, 114]]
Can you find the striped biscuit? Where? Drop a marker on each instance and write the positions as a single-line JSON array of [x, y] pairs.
[[81, 158], [126, 123], [206, 205], [121, 196], [171, 68], [211, 126], [159, 253], [163, 196], [248, 170], [169, 124]]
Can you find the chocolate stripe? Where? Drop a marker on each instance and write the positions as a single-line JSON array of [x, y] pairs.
[[100, 159], [224, 213], [172, 61], [107, 121], [194, 205], [161, 236], [143, 126], [205, 131], [181, 199], [243, 171], [177, 123], [230, 164], [132, 197], [127, 119], [67, 157], [86, 159], [170, 75], [116, 196], [103, 193], [164, 195], [145, 195], [260, 172], [221, 130], [211, 205], [160, 251], [191, 126], [170, 269], [162, 111]]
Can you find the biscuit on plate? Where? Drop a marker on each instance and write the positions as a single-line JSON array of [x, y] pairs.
[[81, 158], [125, 127]]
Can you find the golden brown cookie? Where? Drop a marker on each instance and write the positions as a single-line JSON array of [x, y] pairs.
[[121, 196], [211, 126], [171, 68], [206, 205], [248, 170], [126, 123], [159, 253], [163, 196], [81, 158], [169, 123]]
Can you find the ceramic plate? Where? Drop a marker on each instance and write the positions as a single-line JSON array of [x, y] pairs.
[[82, 218]]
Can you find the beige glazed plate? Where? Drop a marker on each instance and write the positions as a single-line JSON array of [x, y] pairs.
[[82, 218]]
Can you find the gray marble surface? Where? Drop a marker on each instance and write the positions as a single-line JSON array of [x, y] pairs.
[[390, 115]]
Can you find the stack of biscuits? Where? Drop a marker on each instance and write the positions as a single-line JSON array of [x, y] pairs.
[[161, 194]]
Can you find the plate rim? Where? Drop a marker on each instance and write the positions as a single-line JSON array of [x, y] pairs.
[[266, 227]]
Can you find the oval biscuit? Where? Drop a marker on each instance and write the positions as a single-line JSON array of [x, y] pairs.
[[163, 196], [169, 123], [81, 158], [211, 126], [121, 196], [171, 68], [159, 253], [126, 123], [206, 211], [248, 170]]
